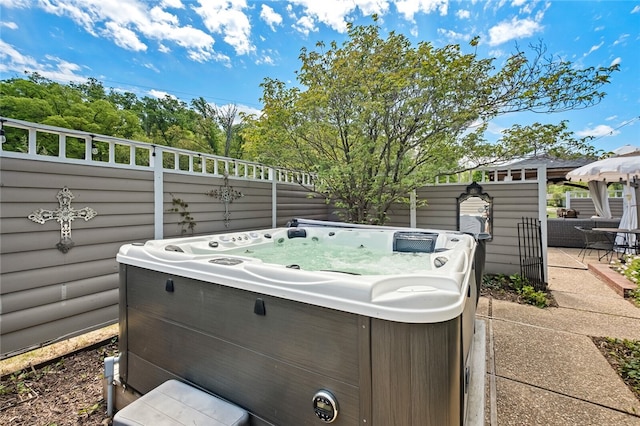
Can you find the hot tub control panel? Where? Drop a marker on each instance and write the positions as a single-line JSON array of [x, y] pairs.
[[325, 406], [232, 240]]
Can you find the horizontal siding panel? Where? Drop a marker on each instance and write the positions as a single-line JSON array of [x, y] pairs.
[[26, 242], [23, 300], [283, 220], [12, 262], [216, 215], [32, 317], [38, 195], [586, 209], [209, 205], [205, 179], [68, 169], [75, 183], [197, 192], [305, 213], [40, 277], [23, 225], [23, 210], [60, 329], [218, 227]]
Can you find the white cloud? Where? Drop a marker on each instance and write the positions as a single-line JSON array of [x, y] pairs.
[[270, 17], [267, 57], [124, 37], [74, 9], [408, 8], [511, 30], [176, 4], [623, 38], [53, 68], [598, 131], [616, 61], [334, 13], [246, 110], [494, 128], [129, 22], [265, 60], [463, 14], [525, 8], [636, 9], [18, 4], [227, 17], [594, 48], [497, 53], [151, 67], [160, 15], [305, 25], [453, 36], [611, 118], [160, 94], [10, 25]]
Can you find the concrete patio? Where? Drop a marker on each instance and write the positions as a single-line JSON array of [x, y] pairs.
[[542, 366]]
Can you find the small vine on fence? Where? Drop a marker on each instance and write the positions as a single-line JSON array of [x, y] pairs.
[[187, 222]]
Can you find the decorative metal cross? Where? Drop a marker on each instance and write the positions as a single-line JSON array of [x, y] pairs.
[[226, 194], [64, 215]]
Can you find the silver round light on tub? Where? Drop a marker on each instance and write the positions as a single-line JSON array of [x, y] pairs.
[[325, 406]]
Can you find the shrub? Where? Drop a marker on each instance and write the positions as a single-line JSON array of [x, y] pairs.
[[533, 297], [516, 284]]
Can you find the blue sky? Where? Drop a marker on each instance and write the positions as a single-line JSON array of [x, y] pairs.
[[222, 50]]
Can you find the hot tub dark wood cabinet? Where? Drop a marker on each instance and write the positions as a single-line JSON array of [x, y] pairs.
[[381, 372]]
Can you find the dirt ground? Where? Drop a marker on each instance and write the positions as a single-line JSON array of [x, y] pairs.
[[65, 391]]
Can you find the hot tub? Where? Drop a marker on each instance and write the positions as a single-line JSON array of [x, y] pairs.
[[307, 324]]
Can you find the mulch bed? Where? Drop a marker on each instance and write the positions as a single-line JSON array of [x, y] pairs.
[[512, 296], [618, 354], [66, 391]]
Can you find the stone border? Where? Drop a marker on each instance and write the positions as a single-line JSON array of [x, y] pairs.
[[613, 279]]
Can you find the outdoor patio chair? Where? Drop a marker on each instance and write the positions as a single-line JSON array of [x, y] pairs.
[[596, 240]]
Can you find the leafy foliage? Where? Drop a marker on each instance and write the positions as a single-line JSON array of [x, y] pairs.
[[516, 285], [92, 108], [624, 356], [376, 118], [629, 266]]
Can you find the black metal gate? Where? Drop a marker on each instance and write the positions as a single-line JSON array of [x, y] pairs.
[[530, 249]]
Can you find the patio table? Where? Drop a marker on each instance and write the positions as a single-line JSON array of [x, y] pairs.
[[626, 245]]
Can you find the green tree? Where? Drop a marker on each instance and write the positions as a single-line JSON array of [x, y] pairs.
[[207, 124], [376, 118]]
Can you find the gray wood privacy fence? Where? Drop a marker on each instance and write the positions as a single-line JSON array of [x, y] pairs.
[[586, 208], [48, 295], [512, 200]]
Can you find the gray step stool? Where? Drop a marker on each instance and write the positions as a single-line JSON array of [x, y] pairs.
[[176, 403]]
